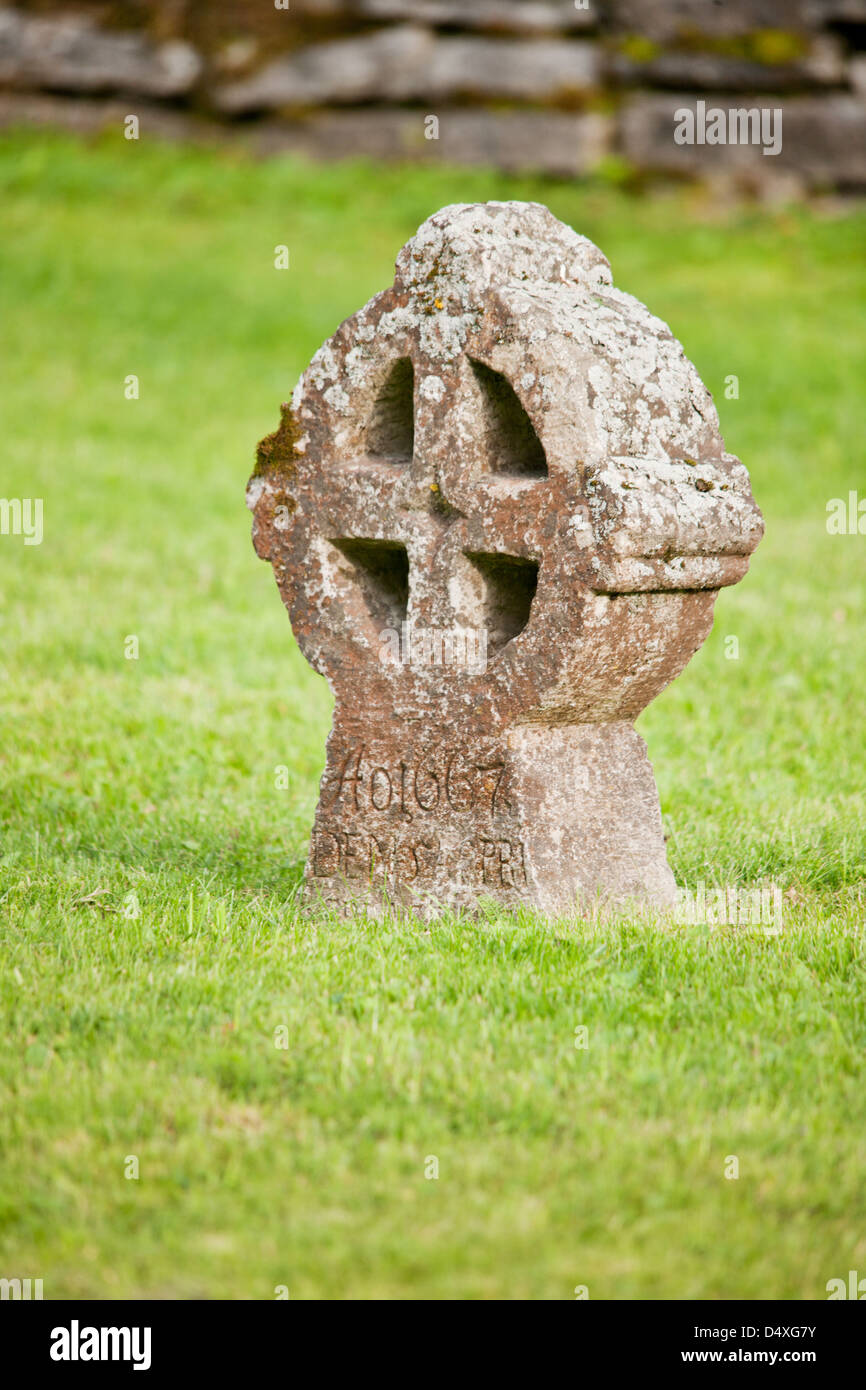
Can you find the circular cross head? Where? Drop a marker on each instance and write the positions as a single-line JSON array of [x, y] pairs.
[[500, 487]]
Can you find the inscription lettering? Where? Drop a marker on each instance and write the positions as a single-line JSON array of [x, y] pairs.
[[362, 854], [503, 863], [350, 776], [439, 779], [375, 857], [381, 790], [426, 788]]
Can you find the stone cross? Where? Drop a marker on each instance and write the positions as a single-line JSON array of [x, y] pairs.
[[499, 512]]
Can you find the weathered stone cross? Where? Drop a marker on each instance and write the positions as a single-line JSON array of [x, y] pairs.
[[499, 511]]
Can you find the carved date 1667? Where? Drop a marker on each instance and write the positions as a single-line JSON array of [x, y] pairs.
[[446, 779]]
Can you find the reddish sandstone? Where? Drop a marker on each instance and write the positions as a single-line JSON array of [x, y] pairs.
[[499, 511]]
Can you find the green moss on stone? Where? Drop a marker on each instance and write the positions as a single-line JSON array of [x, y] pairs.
[[277, 452]]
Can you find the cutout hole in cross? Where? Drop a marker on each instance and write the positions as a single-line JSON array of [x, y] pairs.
[[381, 571], [508, 585], [510, 443], [391, 429]]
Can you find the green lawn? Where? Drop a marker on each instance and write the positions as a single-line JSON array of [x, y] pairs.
[[147, 786]]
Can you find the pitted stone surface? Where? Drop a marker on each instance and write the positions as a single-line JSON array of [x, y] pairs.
[[499, 510]]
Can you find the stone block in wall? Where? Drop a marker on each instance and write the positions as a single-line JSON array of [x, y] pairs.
[[515, 69], [822, 65], [823, 139], [821, 12], [346, 71], [560, 143], [506, 16], [410, 63], [555, 142], [70, 53], [89, 115], [857, 75], [665, 21]]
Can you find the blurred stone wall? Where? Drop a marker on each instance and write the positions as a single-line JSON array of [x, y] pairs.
[[560, 86]]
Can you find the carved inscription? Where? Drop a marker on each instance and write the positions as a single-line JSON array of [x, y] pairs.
[[502, 863], [361, 854], [439, 779], [382, 858]]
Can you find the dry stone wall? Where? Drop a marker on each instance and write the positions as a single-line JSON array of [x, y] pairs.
[[765, 93]]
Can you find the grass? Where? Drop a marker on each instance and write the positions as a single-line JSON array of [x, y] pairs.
[[152, 947]]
